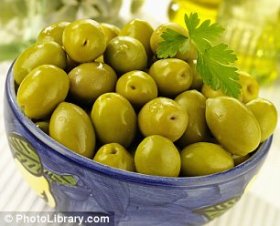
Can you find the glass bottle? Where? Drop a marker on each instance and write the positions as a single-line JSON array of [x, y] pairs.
[[100, 10], [207, 9], [252, 31], [19, 22]]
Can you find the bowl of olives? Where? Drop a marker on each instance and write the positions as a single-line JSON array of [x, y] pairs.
[[138, 123]]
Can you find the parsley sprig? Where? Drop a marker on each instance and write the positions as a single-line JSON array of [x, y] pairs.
[[169, 48], [214, 62]]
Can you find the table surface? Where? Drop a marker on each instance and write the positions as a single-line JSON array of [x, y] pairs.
[[260, 205]]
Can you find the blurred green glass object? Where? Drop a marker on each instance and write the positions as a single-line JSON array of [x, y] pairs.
[[207, 9], [22, 20], [252, 30], [19, 20], [69, 10]]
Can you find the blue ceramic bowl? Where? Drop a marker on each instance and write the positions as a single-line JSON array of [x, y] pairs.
[[70, 182]]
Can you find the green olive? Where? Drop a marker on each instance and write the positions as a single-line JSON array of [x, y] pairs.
[[156, 36], [266, 114], [189, 55], [172, 76], [84, 40], [249, 87], [114, 119], [71, 126], [157, 155], [53, 32], [141, 30], [43, 125], [233, 125], [239, 159], [163, 116], [138, 87], [197, 81], [70, 64], [41, 90], [208, 92], [204, 158], [110, 31], [115, 155], [194, 104], [100, 59], [36, 55], [126, 54], [89, 80]]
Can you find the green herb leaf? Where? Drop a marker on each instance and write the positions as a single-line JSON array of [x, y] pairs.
[[203, 35], [172, 44], [216, 71], [214, 62]]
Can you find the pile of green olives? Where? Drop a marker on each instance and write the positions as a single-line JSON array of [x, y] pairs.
[[102, 92]]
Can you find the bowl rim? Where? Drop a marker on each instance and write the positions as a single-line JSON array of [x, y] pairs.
[[138, 178]]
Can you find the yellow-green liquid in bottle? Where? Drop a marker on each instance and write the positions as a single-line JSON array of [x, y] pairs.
[[207, 9], [252, 31]]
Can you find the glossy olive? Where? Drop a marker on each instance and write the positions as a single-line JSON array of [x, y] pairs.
[[138, 87], [156, 36], [53, 32], [110, 31], [194, 104], [208, 92], [70, 64], [115, 155], [240, 159], [189, 55], [100, 59], [36, 55], [249, 87], [114, 119], [84, 40], [163, 116], [43, 125], [233, 125], [141, 30], [125, 54], [204, 158], [172, 76], [157, 155], [89, 80], [41, 90], [197, 81], [266, 114], [71, 126]]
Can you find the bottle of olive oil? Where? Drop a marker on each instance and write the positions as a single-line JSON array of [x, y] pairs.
[[252, 31], [207, 9]]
